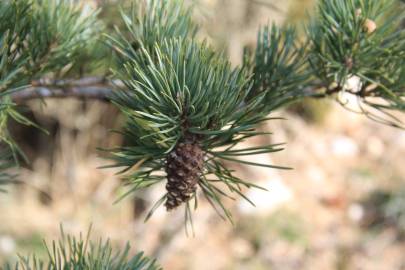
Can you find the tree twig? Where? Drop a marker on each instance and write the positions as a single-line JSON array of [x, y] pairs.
[[41, 92], [86, 81], [98, 88]]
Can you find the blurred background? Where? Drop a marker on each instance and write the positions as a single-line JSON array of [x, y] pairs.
[[342, 207]]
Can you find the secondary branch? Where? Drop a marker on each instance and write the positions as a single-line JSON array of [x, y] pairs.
[[85, 92], [85, 88]]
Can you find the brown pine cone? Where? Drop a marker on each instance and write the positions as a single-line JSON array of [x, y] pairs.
[[184, 166]]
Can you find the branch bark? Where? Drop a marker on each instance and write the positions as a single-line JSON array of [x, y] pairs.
[[84, 88], [85, 92]]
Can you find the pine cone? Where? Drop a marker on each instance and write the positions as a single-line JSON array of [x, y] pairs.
[[183, 167]]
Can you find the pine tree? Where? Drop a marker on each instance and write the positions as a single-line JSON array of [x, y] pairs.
[[187, 108]]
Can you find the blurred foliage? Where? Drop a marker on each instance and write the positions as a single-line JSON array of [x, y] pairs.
[[283, 224], [82, 254], [311, 110], [32, 244], [385, 208], [6, 162]]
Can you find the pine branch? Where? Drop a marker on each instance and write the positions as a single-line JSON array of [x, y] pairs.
[[38, 37], [361, 41], [41, 36], [349, 41], [187, 109]]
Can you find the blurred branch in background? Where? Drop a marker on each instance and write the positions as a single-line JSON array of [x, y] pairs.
[[88, 88], [87, 92], [267, 4]]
